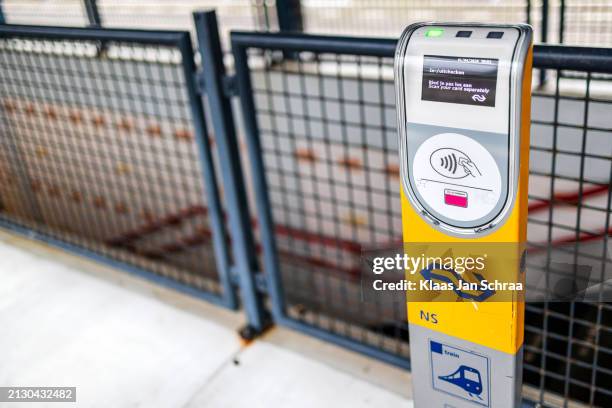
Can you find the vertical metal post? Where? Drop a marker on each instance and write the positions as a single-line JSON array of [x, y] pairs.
[[528, 11], [289, 14], [213, 77], [2, 19], [562, 22], [260, 185], [544, 37], [222, 257], [93, 15], [261, 16]]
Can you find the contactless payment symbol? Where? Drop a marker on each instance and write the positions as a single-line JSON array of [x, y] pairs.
[[453, 163], [456, 178], [460, 373]]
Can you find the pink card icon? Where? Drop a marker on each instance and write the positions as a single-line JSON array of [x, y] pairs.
[[456, 198]]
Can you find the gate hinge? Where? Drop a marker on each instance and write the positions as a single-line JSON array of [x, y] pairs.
[[229, 85], [200, 85], [261, 282]]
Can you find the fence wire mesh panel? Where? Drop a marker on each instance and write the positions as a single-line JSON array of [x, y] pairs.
[[327, 128], [574, 22], [177, 15], [389, 17], [328, 139], [138, 14], [586, 22], [568, 346], [100, 150], [45, 12]]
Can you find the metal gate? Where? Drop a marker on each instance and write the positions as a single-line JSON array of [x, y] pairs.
[[105, 151], [320, 125]]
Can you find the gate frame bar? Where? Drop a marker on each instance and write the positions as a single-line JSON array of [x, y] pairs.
[[213, 77]]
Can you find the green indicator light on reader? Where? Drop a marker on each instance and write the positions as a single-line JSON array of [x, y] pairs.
[[434, 32]]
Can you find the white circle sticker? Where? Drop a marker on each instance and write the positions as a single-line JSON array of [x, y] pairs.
[[456, 177]]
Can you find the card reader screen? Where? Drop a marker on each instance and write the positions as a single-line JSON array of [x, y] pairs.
[[465, 80]]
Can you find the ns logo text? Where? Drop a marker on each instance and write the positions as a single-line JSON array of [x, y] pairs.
[[429, 317]]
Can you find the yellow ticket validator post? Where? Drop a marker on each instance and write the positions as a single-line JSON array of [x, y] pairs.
[[463, 102]]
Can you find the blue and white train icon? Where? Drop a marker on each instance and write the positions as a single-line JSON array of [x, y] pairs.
[[467, 378]]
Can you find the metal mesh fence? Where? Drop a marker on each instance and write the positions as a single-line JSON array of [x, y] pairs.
[[328, 133], [575, 22], [45, 12], [330, 151], [157, 14], [568, 346], [390, 17], [98, 150], [177, 15], [585, 22]]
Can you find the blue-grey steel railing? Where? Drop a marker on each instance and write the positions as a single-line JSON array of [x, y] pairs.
[[109, 155], [93, 14], [335, 98]]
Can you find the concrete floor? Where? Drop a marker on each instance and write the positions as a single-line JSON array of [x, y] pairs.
[[124, 342]]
